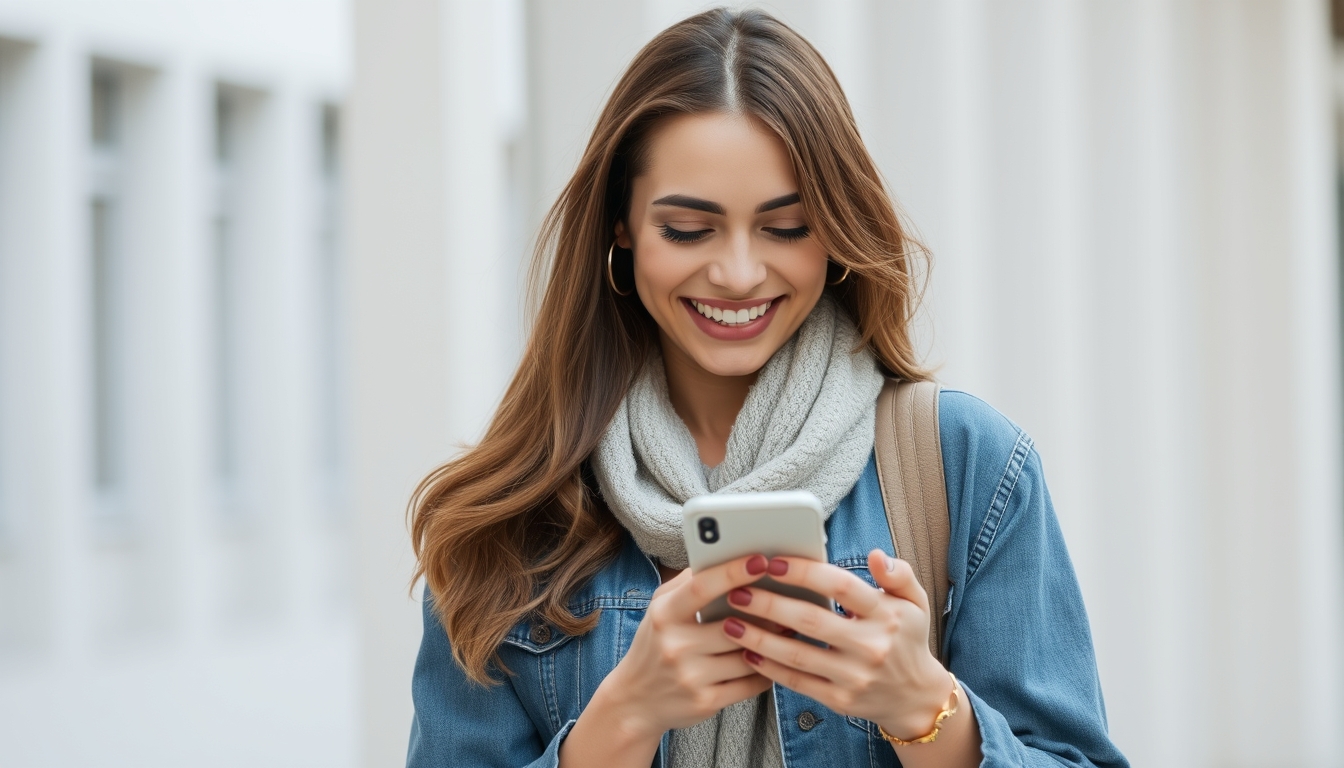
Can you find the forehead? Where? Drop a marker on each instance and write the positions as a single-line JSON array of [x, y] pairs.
[[722, 157]]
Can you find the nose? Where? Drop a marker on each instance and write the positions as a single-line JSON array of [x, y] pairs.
[[738, 269]]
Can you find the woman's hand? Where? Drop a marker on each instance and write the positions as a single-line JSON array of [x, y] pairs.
[[677, 672], [877, 667]]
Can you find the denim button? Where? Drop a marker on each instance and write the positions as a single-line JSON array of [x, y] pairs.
[[807, 721], [540, 634]]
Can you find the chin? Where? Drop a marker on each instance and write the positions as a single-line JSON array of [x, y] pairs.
[[732, 362]]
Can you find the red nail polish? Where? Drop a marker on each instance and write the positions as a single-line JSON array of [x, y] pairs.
[[734, 628], [752, 657], [779, 567], [740, 596], [756, 565]]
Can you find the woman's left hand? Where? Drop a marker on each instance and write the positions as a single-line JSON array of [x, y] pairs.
[[877, 667]]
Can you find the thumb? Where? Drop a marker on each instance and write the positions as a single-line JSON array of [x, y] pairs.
[[897, 578]]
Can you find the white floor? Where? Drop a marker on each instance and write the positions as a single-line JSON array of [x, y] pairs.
[[274, 700]]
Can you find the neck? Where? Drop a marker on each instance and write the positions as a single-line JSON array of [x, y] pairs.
[[706, 402]]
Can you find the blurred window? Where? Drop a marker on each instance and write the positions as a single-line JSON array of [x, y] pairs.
[[330, 431], [226, 282], [108, 288]]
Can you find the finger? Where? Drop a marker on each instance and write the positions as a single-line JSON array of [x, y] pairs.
[[794, 654], [803, 617], [855, 594], [740, 689], [723, 667], [809, 685], [710, 583], [897, 578], [708, 639]]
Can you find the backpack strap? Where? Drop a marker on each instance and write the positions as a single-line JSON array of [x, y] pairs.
[[910, 471]]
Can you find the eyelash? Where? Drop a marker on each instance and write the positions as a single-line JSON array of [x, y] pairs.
[[790, 235], [680, 236]]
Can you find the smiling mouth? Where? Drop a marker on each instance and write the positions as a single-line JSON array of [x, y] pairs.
[[731, 318]]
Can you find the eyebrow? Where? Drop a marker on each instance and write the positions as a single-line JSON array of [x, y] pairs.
[[709, 206]]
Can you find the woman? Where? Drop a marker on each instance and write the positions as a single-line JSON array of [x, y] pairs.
[[728, 286]]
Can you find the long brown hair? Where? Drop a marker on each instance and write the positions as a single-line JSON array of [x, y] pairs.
[[512, 527]]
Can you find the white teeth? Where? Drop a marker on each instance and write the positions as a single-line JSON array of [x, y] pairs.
[[731, 316]]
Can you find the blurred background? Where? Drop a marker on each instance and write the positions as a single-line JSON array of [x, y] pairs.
[[261, 266]]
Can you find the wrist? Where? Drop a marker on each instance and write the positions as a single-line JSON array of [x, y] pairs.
[[621, 715], [924, 705]]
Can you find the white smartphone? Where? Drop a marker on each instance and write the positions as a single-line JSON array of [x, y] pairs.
[[721, 527]]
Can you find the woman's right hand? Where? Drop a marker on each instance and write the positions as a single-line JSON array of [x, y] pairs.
[[677, 672]]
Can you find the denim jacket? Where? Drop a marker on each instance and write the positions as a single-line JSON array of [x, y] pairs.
[[1017, 634]]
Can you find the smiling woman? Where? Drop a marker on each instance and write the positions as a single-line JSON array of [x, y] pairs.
[[727, 287]]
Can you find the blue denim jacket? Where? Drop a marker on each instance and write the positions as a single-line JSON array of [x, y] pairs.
[[1017, 634]]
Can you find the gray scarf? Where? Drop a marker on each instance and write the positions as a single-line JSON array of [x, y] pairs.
[[807, 423]]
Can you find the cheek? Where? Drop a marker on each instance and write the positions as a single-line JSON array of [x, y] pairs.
[[805, 269], [658, 271]]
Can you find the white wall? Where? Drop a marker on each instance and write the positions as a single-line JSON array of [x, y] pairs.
[[173, 632], [1130, 207]]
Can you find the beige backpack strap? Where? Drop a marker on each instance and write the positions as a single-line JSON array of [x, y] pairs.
[[910, 470]]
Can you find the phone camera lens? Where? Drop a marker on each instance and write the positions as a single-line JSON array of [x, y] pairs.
[[709, 530]]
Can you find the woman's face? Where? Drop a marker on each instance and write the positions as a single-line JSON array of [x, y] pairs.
[[724, 258]]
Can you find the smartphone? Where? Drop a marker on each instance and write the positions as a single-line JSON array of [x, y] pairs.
[[721, 527]]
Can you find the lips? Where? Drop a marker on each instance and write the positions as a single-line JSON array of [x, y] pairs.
[[748, 318]]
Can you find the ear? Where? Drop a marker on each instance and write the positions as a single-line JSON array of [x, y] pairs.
[[623, 237]]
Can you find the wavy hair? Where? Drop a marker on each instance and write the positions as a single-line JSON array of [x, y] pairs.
[[512, 527]]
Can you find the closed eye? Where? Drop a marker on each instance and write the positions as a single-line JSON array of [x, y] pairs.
[[681, 236], [789, 235]]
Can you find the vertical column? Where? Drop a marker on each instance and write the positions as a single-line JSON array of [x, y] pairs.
[[577, 50], [399, 370], [482, 279], [187, 458], [1316, 418], [25, 619], [1137, 307], [62, 464]]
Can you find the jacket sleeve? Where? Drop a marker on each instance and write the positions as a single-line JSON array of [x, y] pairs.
[[1018, 635], [461, 724]]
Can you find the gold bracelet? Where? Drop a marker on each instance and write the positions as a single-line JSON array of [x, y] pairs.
[[949, 710]]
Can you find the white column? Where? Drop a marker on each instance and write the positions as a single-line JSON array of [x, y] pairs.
[[1315, 415], [400, 373], [25, 535]]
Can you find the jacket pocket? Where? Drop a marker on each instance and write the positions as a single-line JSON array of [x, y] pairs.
[[536, 636]]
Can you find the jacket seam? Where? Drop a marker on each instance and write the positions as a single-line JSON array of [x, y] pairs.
[[989, 528], [552, 701]]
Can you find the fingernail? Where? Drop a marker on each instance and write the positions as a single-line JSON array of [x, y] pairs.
[[752, 657], [733, 627], [756, 565], [779, 567], [740, 596], [891, 562]]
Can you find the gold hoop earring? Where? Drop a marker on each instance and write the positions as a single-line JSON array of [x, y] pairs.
[[611, 278], [842, 277]]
